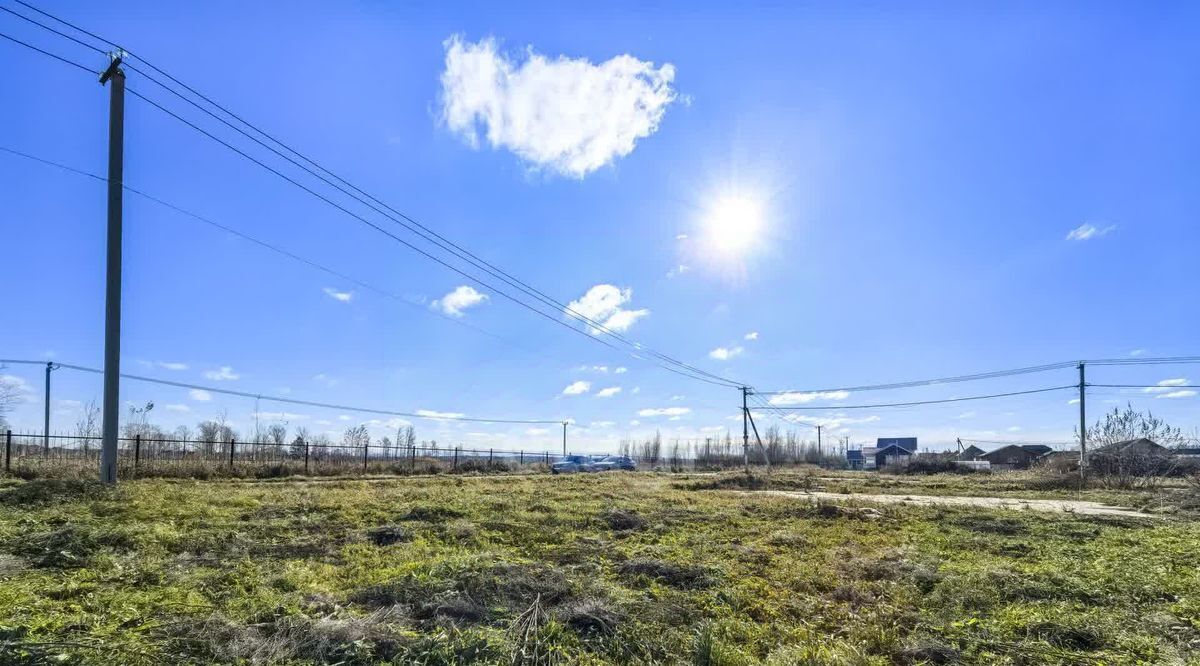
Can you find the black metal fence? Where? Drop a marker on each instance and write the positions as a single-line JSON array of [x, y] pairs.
[[38, 455]]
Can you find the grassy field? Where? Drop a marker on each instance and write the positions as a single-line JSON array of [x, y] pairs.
[[593, 569]]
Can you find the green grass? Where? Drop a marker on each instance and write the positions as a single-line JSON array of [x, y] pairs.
[[593, 569]]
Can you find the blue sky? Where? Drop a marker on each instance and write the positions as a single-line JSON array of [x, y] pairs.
[[941, 189]]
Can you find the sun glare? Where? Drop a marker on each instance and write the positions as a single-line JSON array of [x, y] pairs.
[[733, 224]]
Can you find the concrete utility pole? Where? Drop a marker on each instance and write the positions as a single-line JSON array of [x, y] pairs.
[[564, 438], [1082, 424], [819, 443], [46, 420], [745, 431], [115, 78]]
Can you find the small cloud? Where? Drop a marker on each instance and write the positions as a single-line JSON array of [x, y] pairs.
[[165, 365], [1166, 385], [603, 304], [200, 395], [678, 270], [621, 371], [725, 353], [1138, 352], [281, 416], [577, 388], [602, 424], [676, 398], [178, 407], [340, 296], [665, 411], [966, 415], [752, 335], [1185, 393], [1073, 401], [608, 392], [428, 413], [225, 373], [326, 380], [536, 431], [797, 398], [636, 390], [1014, 429], [1088, 231], [343, 417], [457, 302], [681, 237], [635, 422], [566, 115]]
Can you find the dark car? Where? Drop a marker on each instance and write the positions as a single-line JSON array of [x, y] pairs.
[[616, 463], [571, 464]]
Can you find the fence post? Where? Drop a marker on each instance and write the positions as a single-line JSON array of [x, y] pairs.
[[305, 442], [522, 457], [491, 453], [7, 451], [366, 450], [454, 466], [137, 454], [232, 443], [546, 457]]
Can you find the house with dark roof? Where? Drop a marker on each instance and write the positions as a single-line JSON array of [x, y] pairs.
[[894, 450], [972, 452], [1133, 447], [854, 458], [1014, 456]]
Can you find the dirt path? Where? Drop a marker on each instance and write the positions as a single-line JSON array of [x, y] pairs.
[[1050, 505]]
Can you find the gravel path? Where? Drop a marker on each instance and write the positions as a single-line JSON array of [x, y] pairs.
[[1050, 505]]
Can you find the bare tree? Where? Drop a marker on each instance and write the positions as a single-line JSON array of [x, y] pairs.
[[1123, 425], [12, 391], [87, 426]]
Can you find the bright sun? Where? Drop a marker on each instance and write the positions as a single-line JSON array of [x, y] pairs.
[[733, 224]]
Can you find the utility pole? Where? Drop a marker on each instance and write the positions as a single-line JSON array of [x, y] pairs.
[[46, 421], [115, 78], [819, 426], [745, 431], [564, 438], [1082, 425]]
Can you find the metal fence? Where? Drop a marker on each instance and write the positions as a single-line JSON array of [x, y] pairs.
[[39, 455]]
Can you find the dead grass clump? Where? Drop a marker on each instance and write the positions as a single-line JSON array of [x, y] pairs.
[[623, 520], [682, 576], [52, 491], [590, 616], [1067, 637], [928, 651], [431, 513], [386, 535], [70, 546], [984, 524]]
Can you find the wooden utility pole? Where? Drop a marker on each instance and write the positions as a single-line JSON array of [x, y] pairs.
[[115, 78], [745, 431], [1082, 425]]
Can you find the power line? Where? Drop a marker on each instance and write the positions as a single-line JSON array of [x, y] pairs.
[[925, 402], [47, 53], [290, 401], [1166, 387], [372, 202], [689, 371], [938, 380], [271, 247]]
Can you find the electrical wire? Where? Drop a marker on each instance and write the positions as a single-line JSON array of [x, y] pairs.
[[688, 371], [280, 399], [925, 402]]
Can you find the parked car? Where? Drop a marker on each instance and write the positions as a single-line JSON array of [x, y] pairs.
[[572, 464], [608, 463]]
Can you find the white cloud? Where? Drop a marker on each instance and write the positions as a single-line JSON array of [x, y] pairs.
[[1137, 352], [1166, 385], [199, 395], [172, 366], [16, 382], [676, 397], [681, 237], [577, 388], [635, 422], [340, 296], [621, 370], [678, 270], [225, 373], [603, 304], [602, 424], [752, 335], [608, 392], [537, 431], [636, 390], [966, 415], [593, 368], [665, 411], [343, 417], [834, 421], [281, 416], [1185, 393], [796, 398], [725, 353], [565, 115], [1073, 401], [1014, 429], [326, 380], [177, 408], [459, 300], [1088, 231], [439, 415]]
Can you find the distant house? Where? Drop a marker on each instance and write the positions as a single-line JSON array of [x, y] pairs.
[[972, 452], [1133, 447], [1037, 449], [1013, 456], [894, 450], [1186, 452], [854, 458]]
